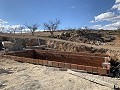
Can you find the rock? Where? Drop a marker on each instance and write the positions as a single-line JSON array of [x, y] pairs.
[[2, 83], [86, 36], [71, 47], [4, 71], [7, 44], [115, 55]]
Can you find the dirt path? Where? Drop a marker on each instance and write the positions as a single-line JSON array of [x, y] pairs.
[[24, 76]]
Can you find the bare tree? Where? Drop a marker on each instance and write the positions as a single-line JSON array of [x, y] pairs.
[[9, 29], [118, 29], [13, 29], [52, 26], [1, 29], [86, 28], [32, 27], [21, 29]]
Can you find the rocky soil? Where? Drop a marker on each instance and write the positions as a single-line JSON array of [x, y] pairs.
[[87, 36], [25, 76]]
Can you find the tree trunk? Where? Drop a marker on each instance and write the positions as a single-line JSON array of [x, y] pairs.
[[51, 32], [32, 33], [21, 31], [14, 32]]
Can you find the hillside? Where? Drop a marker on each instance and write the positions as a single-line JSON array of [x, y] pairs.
[[72, 41]]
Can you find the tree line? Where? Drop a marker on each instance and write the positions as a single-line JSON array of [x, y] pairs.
[[51, 26]]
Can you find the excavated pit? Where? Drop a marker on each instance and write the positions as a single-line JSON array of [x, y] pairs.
[[87, 59]]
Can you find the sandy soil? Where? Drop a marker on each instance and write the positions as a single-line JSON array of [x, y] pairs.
[[25, 76]]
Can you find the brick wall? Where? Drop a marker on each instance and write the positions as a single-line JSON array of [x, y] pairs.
[[27, 54], [81, 58], [89, 69], [82, 61]]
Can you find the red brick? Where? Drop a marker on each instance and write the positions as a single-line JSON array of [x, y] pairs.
[[94, 69], [40, 62], [81, 67], [31, 61], [88, 68], [19, 59], [36, 61], [55, 64], [74, 66], [28, 60], [102, 71], [50, 63], [7, 56], [4, 55], [67, 65], [25, 60], [45, 62], [16, 59], [13, 57], [61, 64]]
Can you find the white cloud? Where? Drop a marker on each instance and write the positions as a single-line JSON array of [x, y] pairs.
[[15, 26], [26, 30], [73, 7], [96, 27], [112, 17], [116, 6], [5, 26], [92, 21], [8, 28], [117, 1], [115, 18], [112, 26], [3, 22], [104, 16]]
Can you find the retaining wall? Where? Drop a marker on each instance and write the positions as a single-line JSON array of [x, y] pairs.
[[92, 64], [87, 59]]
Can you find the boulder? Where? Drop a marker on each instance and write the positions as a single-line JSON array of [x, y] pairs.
[[7, 44]]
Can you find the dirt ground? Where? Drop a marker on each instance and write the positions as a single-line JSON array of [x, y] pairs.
[[24, 76]]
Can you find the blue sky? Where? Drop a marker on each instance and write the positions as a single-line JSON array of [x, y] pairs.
[[98, 14]]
